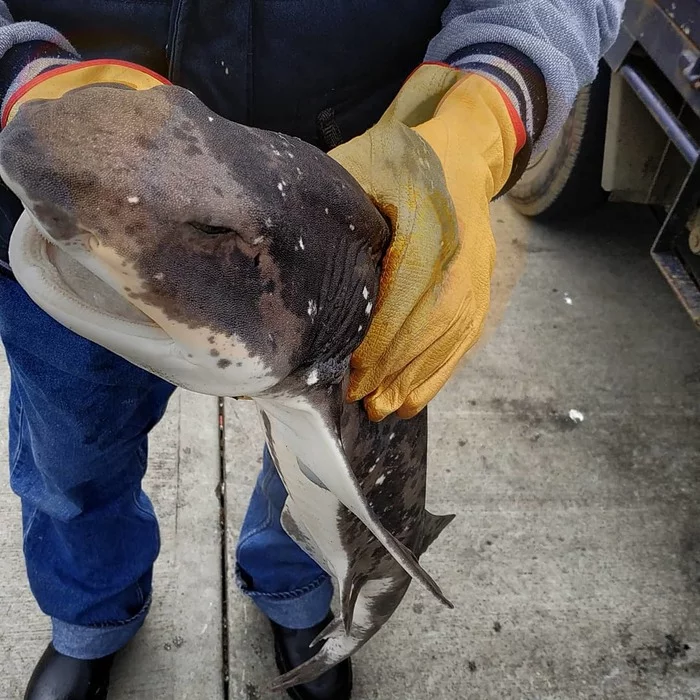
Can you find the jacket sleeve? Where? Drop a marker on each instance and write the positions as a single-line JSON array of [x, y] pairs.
[[542, 52], [26, 49]]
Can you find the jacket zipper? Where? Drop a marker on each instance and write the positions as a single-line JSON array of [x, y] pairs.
[[173, 40]]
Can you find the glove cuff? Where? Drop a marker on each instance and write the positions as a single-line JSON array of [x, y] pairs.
[[522, 84], [56, 82]]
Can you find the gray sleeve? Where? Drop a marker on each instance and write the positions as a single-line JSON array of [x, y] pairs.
[[13, 33], [26, 50], [563, 39]]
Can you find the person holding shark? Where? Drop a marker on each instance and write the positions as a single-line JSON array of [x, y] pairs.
[[487, 85]]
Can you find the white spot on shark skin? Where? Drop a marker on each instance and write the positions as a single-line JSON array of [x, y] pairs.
[[380, 480], [276, 152], [368, 308], [352, 227], [312, 378], [313, 308], [301, 242], [257, 240], [226, 71], [299, 171], [158, 276], [568, 299], [133, 199], [291, 155], [280, 186], [222, 63], [365, 293], [326, 210], [268, 222], [211, 119], [359, 329], [373, 467], [392, 436]]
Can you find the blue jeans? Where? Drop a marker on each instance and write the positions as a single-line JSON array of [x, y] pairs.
[[78, 442]]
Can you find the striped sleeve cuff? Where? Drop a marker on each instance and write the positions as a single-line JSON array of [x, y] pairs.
[[24, 61], [521, 82]]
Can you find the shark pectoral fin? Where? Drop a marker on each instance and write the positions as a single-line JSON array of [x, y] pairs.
[[433, 525], [309, 426], [421, 574]]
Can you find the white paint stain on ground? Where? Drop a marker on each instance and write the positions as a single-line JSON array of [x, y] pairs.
[[576, 416], [568, 299]]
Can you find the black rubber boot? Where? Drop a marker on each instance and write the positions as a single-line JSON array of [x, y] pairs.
[[59, 677], [292, 648]]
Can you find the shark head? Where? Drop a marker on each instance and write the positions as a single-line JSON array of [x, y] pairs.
[[212, 232]]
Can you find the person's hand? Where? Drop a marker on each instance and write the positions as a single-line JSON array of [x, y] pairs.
[[55, 82], [441, 152]]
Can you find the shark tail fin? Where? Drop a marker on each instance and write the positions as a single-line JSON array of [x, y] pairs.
[[335, 650]]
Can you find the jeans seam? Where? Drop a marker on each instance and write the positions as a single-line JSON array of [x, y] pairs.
[[152, 517], [122, 623], [28, 527], [140, 508], [20, 441], [265, 523], [286, 595]]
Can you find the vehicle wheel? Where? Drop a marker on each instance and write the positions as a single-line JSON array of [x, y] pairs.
[[564, 181]]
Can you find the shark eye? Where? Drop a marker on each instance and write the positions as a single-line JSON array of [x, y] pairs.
[[211, 230]]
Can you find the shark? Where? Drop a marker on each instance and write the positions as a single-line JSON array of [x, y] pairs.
[[238, 262]]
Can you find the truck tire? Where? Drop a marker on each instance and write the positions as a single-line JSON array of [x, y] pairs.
[[564, 181]]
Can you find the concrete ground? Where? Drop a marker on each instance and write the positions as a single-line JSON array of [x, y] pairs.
[[574, 563]]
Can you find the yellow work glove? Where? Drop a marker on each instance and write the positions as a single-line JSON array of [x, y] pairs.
[[441, 152], [56, 82]]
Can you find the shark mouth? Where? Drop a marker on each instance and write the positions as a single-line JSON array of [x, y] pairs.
[[68, 291], [78, 298]]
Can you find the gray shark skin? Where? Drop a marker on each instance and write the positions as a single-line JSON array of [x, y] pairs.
[[238, 262]]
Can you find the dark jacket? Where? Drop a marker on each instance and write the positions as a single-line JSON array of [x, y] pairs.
[[275, 64]]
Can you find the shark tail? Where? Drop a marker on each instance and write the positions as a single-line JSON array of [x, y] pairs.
[[335, 650]]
